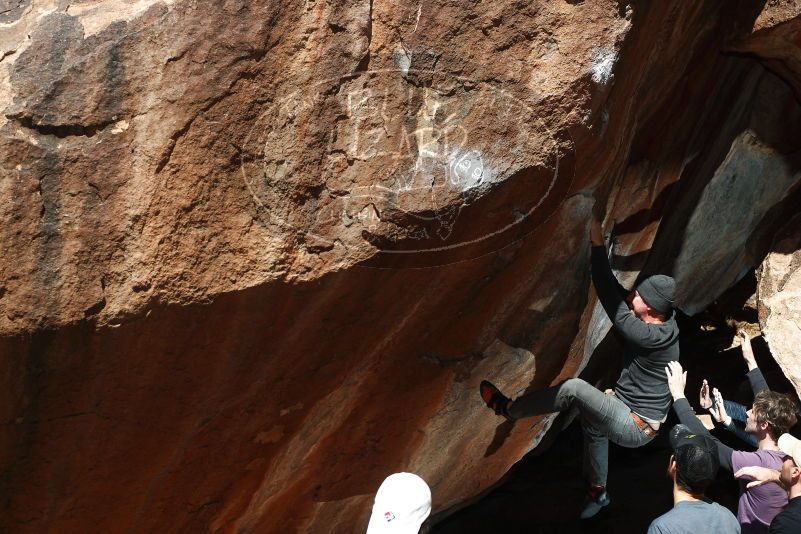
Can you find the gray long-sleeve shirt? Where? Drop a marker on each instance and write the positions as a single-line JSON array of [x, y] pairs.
[[647, 347], [757, 381]]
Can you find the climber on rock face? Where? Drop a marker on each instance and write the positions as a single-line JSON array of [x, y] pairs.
[[631, 415]]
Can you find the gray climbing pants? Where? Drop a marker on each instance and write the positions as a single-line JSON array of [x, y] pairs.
[[603, 418]]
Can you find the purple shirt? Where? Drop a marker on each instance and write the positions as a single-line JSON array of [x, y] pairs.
[[758, 506]]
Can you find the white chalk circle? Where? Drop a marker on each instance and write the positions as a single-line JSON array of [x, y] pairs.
[[467, 170]]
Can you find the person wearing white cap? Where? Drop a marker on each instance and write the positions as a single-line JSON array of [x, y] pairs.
[[402, 504], [789, 478]]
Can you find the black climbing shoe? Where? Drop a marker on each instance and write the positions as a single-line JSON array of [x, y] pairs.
[[596, 499], [494, 399]]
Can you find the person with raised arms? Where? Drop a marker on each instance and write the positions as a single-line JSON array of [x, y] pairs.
[[630, 417], [771, 415]]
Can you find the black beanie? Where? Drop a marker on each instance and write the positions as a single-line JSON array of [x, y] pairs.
[[658, 291]]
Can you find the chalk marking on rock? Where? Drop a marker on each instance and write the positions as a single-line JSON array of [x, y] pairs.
[[417, 20], [467, 171], [436, 145], [602, 63], [402, 60], [119, 127]]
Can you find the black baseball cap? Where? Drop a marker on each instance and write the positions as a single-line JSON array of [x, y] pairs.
[[696, 458]]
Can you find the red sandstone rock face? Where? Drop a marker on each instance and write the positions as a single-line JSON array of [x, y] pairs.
[[279, 143], [257, 256]]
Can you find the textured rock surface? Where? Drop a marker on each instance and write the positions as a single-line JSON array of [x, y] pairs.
[[738, 188], [173, 159], [777, 40], [779, 298], [258, 255]]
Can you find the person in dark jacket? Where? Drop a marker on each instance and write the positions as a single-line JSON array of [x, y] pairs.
[[732, 415], [630, 417], [771, 415]]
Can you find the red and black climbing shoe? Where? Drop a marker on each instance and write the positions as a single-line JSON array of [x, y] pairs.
[[494, 399]]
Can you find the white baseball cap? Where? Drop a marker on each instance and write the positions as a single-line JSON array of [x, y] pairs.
[[791, 446], [402, 503]]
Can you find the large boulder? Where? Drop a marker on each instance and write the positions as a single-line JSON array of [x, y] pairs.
[[258, 255], [779, 300]]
